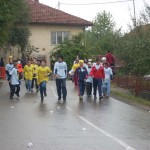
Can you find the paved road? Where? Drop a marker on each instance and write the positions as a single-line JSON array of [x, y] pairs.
[[106, 125]]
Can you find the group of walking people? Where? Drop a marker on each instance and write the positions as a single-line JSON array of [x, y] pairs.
[[36, 75], [96, 76], [92, 77]]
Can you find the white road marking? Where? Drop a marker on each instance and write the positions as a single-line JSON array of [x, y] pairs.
[[122, 143], [68, 108], [54, 93]]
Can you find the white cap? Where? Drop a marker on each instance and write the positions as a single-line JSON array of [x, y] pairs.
[[104, 58]]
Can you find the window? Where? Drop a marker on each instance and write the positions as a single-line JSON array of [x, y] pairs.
[[59, 37]]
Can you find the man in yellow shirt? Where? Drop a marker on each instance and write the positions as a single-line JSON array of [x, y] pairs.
[[43, 77], [34, 79], [28, 74]]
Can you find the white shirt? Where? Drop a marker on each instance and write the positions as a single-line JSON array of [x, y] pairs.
[[60, 68], [108, 73], [14, 77]]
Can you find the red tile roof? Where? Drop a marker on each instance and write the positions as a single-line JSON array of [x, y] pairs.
[[41, 13]]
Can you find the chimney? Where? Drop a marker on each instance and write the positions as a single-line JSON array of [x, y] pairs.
[[36, 1]]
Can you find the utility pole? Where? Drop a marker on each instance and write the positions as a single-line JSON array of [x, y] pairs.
[[58, 5], [134, 13]]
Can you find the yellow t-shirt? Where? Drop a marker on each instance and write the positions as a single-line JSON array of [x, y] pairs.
[[75, 66], [35, 68], [28, 72], [42, 74]]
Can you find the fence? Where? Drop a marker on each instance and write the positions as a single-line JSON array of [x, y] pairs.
[[139, 86], [2, 73]]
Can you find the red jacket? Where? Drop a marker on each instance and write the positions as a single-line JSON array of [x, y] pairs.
[[110, 58], [97, 73]]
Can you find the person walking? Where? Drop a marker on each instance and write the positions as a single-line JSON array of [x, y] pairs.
[[108, 77], [14, 80], [74, 67], [60, 74], [35, 76], [8, 68], [28, 74], [110, 58], [97, 72], [20, 70], [81, 73], [2, 64], [43, 73], [89, 80]]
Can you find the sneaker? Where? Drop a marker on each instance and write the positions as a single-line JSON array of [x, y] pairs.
[[17, 95], [59, 99], [100, 98], [64, 99], [42, 99], [81, 98], [95, 97], [45, 94], [107, 96], [11, 97]]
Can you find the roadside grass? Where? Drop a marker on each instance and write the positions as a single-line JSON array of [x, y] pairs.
[[129, 96], [132, 98]]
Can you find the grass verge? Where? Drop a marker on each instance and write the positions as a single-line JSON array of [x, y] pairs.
[[131, 98]]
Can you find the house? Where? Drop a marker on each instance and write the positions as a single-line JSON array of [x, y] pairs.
[[49, 27]]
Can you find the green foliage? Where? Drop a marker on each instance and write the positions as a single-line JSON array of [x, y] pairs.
[[15, 30], [134, 49], [9, 12], [103, 36], [69, 49]]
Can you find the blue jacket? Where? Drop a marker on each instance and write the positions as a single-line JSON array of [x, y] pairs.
[[81, 73]]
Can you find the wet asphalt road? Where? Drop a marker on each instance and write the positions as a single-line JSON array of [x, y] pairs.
[[106, 125]]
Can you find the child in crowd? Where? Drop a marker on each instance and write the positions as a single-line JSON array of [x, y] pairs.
[[14, 80], [34, 79], [74, 67], [81, 74], [20, 69], [108, 77], [8, 68], [28, 74], [89, 80], [43, 74]]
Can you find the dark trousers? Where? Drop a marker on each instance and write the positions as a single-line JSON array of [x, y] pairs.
[[43, 89], [10, 86], [15, 89], [34, 80], [81, 85], [61, 87], [88, 88], [97, 83]]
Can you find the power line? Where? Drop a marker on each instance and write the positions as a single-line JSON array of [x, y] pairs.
[[121, 1]]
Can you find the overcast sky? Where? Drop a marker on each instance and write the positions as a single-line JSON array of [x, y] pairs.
[[120, 11]]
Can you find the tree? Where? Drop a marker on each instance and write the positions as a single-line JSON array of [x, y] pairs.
[[103, 35], [19, 33], [134, 47], [9, 12], [70, 48]]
